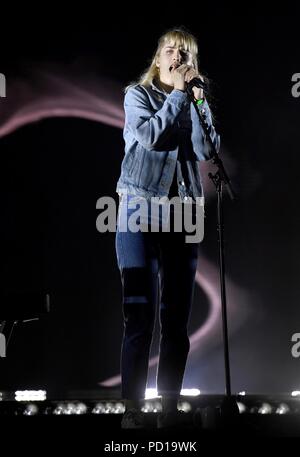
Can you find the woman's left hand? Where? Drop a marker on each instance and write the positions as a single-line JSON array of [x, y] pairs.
[[191, 74]]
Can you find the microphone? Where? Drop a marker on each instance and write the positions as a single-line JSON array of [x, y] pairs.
[[197, 82]]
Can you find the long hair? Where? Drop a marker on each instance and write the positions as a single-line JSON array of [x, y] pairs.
[[177, 37]]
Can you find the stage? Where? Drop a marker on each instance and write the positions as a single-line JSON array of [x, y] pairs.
[[259, 416]]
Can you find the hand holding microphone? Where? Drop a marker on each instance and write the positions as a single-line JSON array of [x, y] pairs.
[[195, 83], [185, 77], [178, 73]]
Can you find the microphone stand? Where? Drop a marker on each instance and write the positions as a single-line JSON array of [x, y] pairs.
[[229, 407]]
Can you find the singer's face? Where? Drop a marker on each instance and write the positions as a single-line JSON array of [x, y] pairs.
[[172, 55]]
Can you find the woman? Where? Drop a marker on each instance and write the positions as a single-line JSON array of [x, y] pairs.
[[164, 143]]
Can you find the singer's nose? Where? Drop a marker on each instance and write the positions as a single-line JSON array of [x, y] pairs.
[[177, 56], [176, 63]]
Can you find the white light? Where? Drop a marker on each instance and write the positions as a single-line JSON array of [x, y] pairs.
[[190, 392], [70, 409], [148, 407], [109, 408], [151, 407], [119, 408], [242, 393], [282, 409], [150, 393], [242, 407], [30, 395], [157, 407], [60, 409], [295, 393], [185, 406], [31, 410], [80, 408], [265, 409], [99, 408]]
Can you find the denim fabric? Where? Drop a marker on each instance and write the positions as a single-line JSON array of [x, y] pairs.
[[162, 134], [156, 268]]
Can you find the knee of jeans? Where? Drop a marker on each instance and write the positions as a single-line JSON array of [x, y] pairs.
[[139, 318], [140, 285], [180, 333], [173, 327]]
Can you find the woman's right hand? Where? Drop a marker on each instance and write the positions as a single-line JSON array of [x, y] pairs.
[[179, 76]]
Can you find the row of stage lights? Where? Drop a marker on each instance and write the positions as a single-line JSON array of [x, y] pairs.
[[79, 408], [30, 404]]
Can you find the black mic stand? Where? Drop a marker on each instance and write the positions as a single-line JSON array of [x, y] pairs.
[[229, 407]]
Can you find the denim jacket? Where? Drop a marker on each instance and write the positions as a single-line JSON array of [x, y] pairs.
[[162, 134]]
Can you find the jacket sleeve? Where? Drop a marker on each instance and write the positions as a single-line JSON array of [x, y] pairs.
[[200, 145], [151, 128]]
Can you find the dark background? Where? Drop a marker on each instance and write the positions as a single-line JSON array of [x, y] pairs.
[[53, 171]]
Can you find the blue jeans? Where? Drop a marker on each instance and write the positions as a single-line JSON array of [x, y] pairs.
[[155, 267]]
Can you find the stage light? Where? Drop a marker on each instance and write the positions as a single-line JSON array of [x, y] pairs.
[[59, 409], [31, 410], [184, 406], [70, 409], [157, 407], [265, 409], [148, 407], [99, 408], [30, 395], [114, 408], [283, 408], [80, 408], [119, 408], [295, 393], [242, 407], [151, 393], [242, 393], [190, 392], [109, 408], [152, 407]]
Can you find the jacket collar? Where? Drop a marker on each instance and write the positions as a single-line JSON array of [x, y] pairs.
[[156, 87]]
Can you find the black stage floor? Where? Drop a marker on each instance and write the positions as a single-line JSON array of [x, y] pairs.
[[98, 421]]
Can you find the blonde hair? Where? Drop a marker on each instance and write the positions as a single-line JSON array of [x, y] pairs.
[[179, 37]]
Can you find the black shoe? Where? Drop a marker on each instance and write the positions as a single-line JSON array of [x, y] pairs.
[[133, 418], [173, 419]]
